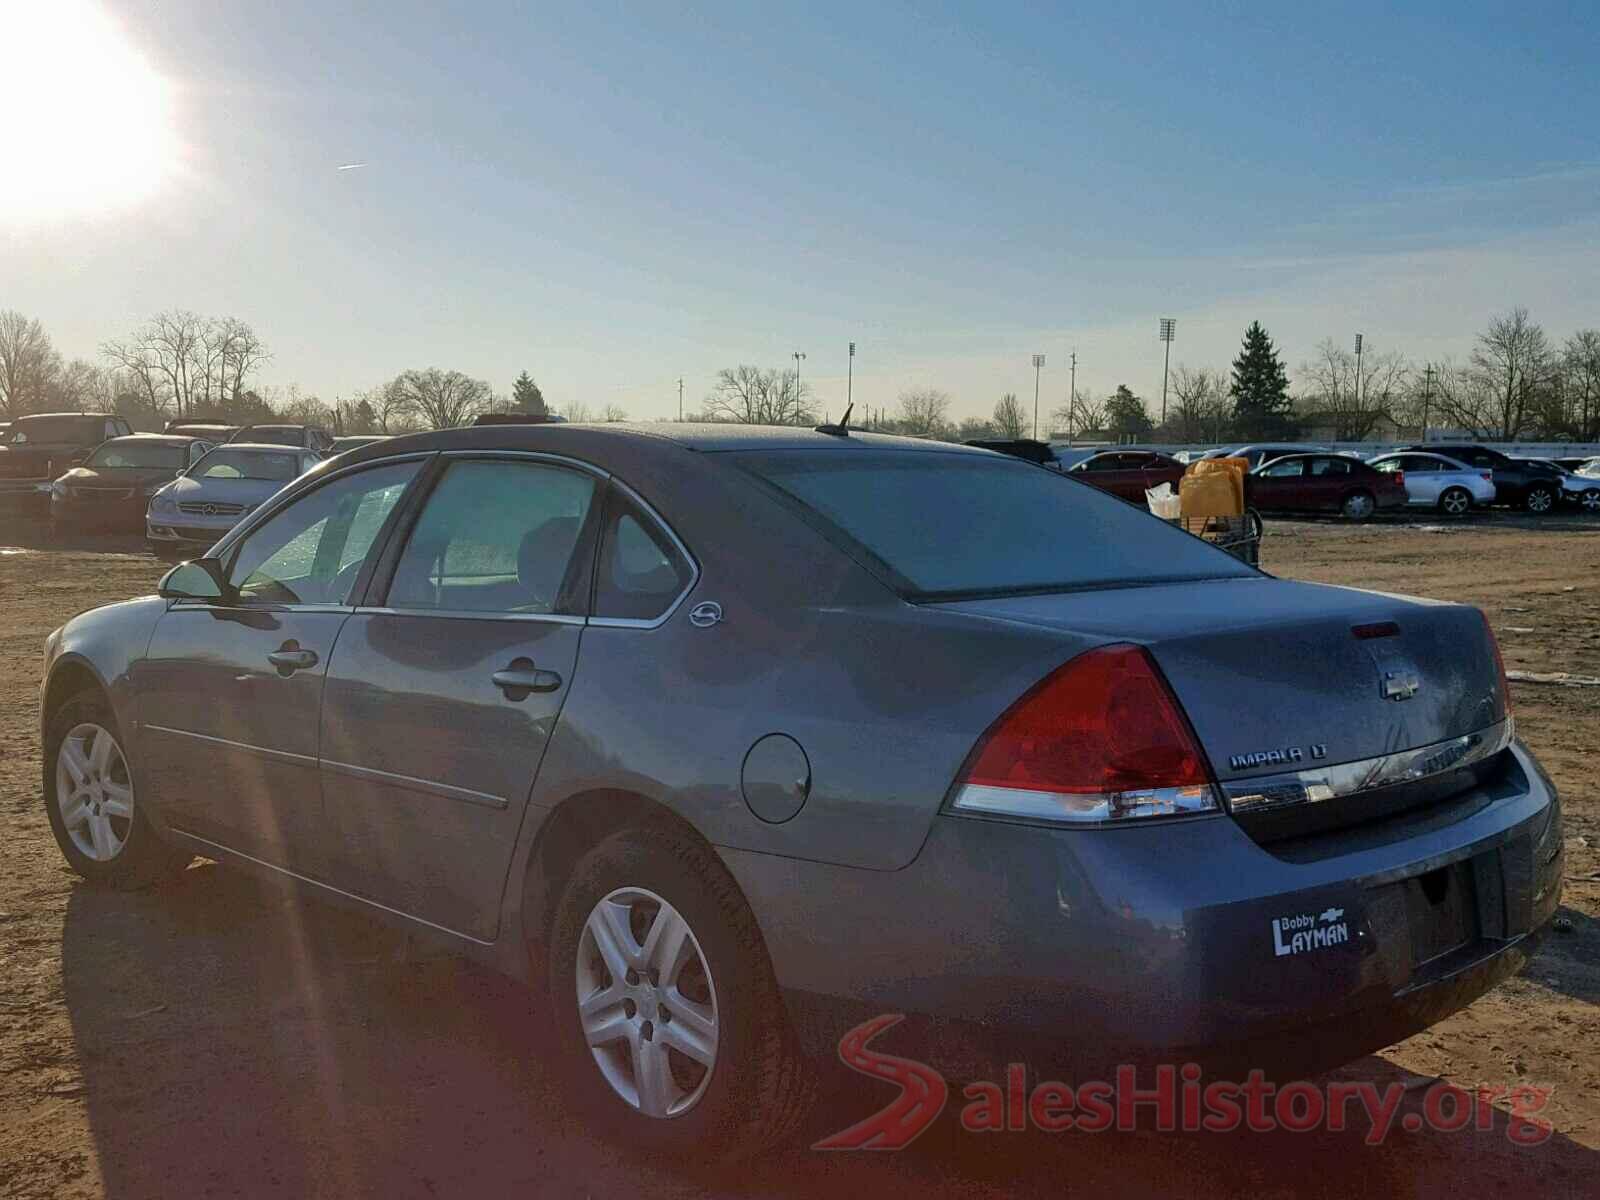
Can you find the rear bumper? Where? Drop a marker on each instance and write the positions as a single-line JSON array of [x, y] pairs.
[[1091, 947]]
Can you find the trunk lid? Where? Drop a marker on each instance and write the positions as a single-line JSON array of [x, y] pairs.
[[1273, 674]]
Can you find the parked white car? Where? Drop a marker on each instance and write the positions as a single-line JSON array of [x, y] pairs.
[[193, 511], [1434, 481]]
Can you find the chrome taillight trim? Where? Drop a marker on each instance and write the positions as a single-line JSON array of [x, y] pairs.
[[1323, 783], [1083, 808]]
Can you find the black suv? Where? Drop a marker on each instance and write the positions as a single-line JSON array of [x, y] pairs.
[[43, 445], [1517, 481]]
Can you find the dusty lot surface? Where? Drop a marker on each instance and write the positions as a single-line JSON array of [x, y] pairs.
[[214, 1038]]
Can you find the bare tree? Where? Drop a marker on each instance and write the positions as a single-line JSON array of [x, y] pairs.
[[1201, 404], [753, 395], [1083, 414], [1009, 420], [28, 363], [440, 399], [1513, 365], [976, 429], [1580, 386], [1356, 408], [578, 412], [923, 412], [614, 412]]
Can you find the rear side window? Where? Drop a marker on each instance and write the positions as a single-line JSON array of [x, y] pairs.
[[1330, 466], [938, 525], [641, 570]]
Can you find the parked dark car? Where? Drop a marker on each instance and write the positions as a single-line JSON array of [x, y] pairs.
[[1026, 449], [306, 437], [1519, 482], [724, 737], [1256, 455], [1330, 483], [113, 486], [42, 445], [209, 430], [1127, 473], [518, 419]]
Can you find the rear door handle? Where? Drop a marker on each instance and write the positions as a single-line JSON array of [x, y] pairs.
[[289, 658], [520, 677]]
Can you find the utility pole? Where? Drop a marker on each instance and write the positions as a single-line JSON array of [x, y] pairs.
[[1168, 328], [1427, 396], [1072, 398], [850, 378], [1358, 372], [799, 357], [1038, 363], [680, 398]]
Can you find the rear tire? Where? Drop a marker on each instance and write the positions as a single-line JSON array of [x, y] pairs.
[[757, 1086], [1540, 500], [1455, 502], [1590, 500], [1358, 506], [92, 803]]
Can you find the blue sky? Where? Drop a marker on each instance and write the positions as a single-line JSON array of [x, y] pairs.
[[615, 196]]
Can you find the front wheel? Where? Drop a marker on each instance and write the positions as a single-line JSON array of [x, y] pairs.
[[1539, 500], [1456, 502], [91, 801], [1358, 506], [1590, 500], [672, 1031]]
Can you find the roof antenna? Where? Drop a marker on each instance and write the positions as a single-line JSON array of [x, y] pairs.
[[842, 429]]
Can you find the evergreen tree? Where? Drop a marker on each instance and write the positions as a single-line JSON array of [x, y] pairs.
[[526, 396], [1125, 414], [1260, 391]]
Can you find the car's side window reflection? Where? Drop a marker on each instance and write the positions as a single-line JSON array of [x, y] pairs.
[[312, 551], [498, 537]]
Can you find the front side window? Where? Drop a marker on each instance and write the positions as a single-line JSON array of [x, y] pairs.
[[312, 551], [498, 537], [1290, 469], [641, 572]]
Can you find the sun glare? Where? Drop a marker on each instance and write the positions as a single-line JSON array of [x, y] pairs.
[[89, 123]]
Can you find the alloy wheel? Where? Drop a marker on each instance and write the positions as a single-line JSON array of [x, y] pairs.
[[1591, 500], [647, 1003], [1456, 503], [1358, 507], [1540, 500], [94, 792]]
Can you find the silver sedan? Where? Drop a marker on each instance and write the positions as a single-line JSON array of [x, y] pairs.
[[1434, 481]]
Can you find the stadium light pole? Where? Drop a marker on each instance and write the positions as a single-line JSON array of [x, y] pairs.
[[1038, 364], [1168, 328], [850, 378], [1072, 397], [799, 357]]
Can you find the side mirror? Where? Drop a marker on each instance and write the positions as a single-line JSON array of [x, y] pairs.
[[200, 579]]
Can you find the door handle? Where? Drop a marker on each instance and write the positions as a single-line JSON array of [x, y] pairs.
[[289, 658], [519, 677]]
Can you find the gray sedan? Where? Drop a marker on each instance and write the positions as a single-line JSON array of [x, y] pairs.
[[1434, 481], [727, 739]]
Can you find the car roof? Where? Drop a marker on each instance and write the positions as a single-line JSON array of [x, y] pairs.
[[166, 439], [81, 416], [653, 441], [263, 447]]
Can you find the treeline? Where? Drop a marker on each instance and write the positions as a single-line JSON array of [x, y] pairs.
[[182, 365]]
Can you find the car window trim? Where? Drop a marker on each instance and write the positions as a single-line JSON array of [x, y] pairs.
[[663, 526], [376, 595]]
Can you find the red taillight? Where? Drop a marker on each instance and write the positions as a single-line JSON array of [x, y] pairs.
[[1102, 724], [1488, 476], [1400, 478], [1499, 666]]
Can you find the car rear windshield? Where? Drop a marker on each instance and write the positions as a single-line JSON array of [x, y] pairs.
[[948, 525], [223, 463], [137, 456]]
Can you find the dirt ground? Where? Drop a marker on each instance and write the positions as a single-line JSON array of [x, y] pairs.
[[216, 1038]]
